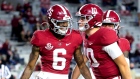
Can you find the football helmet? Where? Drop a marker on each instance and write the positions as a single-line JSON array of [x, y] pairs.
[[111, 17], [92, 13], [59, 14]]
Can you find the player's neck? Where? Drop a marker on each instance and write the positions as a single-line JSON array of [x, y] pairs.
[[91, 31]]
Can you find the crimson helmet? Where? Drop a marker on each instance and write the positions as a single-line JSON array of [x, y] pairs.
[[94, 14], [111, 17], [56, 14]]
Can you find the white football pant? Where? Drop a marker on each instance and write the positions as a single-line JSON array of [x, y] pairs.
[[48, 75]]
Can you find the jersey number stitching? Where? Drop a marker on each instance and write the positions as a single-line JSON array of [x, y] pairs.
[[91, 57], [57, 59]]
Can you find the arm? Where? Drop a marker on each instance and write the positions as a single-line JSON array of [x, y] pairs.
[[127, 57], [116, 54], [81, 65], [76, 72], [123, 67], [32, 61]]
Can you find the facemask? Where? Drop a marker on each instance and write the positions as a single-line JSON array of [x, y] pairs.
[[60, 29]]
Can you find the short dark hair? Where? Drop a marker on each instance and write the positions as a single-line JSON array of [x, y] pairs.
[[107, 24]]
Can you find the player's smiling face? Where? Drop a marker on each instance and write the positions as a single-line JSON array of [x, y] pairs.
[[63, 25], [83, 22]]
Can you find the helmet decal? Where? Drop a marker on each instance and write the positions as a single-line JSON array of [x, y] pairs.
[[94, 11]]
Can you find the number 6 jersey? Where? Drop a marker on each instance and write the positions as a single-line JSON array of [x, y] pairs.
[[56, 54]]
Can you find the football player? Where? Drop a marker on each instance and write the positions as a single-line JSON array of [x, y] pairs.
[[112, 20], [106, 58], [56, 46]]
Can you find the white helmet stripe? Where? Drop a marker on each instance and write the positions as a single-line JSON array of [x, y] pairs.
[[80, 9], [108, 13], [63, 9]]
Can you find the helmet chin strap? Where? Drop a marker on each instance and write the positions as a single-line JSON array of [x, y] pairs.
[[57, 30], [82, 28], [61, 32]]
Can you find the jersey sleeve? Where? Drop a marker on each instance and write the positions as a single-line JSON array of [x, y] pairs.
[[35, 39], [113, 50], [124, 44], [109, 36], [127, 43]]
